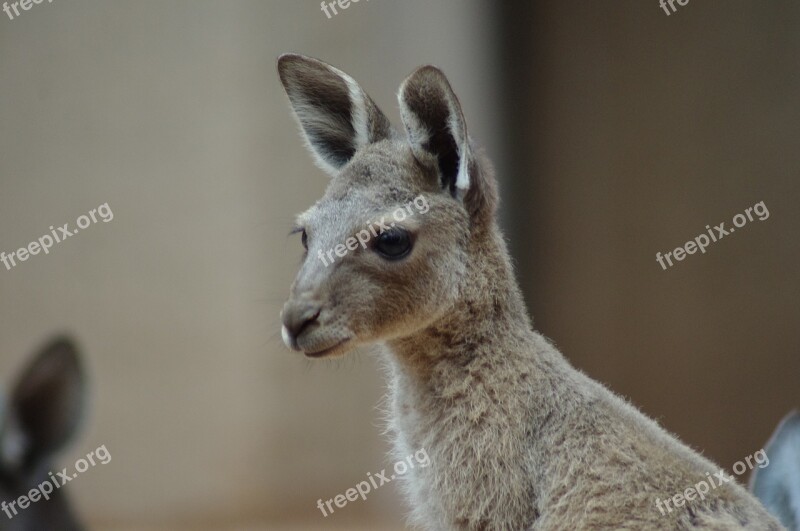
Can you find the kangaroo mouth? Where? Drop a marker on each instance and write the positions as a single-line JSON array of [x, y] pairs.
[[336, 348]]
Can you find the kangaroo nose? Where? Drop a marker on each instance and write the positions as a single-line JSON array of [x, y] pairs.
[[296, 318]]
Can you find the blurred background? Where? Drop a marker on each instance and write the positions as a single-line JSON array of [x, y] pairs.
[[618, 131]]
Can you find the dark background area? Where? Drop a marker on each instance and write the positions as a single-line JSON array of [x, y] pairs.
[[629, 131]]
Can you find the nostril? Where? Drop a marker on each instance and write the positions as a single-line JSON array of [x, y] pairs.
[[301, 318], [305, 324]]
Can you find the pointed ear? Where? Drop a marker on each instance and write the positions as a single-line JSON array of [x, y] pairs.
[[775, 480], [45, 406], [437, 131], [336, 115]]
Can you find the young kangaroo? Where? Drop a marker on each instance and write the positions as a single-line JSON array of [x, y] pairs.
[[41, 416], [518, 438]]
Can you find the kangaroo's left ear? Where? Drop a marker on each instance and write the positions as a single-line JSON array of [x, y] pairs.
[[337, 117], [437, 130]]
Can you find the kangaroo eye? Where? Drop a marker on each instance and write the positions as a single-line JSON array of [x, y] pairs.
[[393, 244], [304, 239]]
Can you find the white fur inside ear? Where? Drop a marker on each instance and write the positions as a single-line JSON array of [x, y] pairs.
[[359, 118], [458, 130], [418, 133], [462, 180]]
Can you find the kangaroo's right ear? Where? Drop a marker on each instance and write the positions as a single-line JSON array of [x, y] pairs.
[[336, 115], [777, 484], [45, 407], [437, 132]]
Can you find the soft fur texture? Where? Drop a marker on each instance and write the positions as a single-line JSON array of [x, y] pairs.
[[518, 438]]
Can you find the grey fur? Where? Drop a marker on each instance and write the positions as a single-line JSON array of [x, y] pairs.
[[518, 438], [778, 485]]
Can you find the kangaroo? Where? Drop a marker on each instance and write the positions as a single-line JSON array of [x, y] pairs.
[[41, 416], [517, 437], [778, 487]]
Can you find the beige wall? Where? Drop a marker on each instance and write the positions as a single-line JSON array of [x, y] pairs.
[[172, 113]]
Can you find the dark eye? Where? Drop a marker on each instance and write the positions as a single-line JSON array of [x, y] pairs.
[[304, 239], [393, 244]]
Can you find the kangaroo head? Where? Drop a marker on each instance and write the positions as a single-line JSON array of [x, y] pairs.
[[388, 246], [41, 415]]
